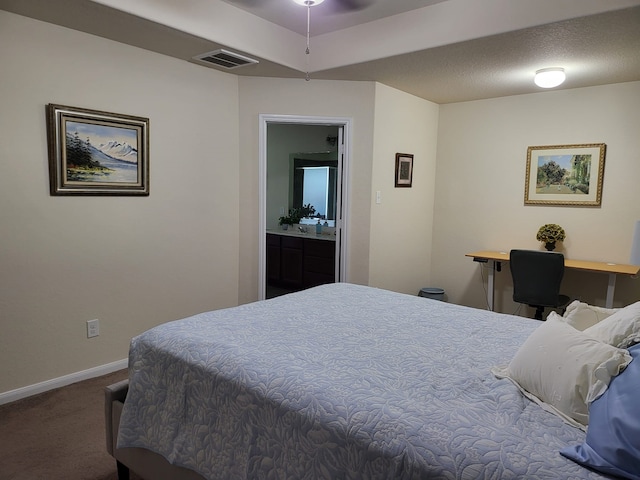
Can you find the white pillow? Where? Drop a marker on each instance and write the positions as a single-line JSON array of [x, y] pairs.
[[582, 316], [563, 369], [622, 329]]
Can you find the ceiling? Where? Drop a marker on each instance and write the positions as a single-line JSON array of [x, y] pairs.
[[444, 51], [329, 16]]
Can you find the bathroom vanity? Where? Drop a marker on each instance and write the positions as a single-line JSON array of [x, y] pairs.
[[297, 260]]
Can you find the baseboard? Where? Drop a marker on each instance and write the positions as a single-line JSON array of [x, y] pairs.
[[23, 392]]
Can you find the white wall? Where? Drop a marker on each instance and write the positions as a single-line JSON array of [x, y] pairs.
[[479, 204], [278, 96], [385, 121], [401, 224], [131, 262]]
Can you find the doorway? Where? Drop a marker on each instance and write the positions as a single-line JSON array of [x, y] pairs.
[[291, 148]]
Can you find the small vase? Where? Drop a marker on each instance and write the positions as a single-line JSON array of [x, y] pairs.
[[550, 246]]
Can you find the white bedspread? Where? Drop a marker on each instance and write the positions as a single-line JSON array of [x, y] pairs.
[[341, 382]]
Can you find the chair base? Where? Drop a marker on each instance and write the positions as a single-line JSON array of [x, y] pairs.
[[563, 301]]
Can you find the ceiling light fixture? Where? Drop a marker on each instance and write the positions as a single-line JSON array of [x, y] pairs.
[[308, 4], [549, 77]]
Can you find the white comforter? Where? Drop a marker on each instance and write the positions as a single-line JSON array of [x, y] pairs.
[[341, 381]]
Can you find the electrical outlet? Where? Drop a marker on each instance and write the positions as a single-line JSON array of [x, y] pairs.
[[93, 328]]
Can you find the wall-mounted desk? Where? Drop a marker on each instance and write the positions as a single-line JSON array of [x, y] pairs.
[[494, 259]]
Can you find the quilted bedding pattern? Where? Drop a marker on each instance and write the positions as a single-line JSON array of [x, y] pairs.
[[341, 382]]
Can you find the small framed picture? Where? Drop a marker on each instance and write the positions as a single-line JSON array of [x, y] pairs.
[[97, 153], [565, 175], [404, 169]]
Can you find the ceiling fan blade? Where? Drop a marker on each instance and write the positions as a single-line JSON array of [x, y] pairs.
[[245, 3], [337, 6], [351, 5]]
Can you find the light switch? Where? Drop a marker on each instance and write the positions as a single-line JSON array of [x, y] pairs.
[[378, 196]]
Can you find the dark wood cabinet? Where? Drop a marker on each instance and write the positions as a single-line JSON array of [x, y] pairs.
[[299, 262], [291, 261], [273, 258], [319, 262]]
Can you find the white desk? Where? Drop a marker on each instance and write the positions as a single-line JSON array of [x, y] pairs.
[[612, 269]]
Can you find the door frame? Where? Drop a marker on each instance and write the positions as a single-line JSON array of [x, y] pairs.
[[342, 207]]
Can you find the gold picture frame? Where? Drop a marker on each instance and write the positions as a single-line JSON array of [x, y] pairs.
[[97, 153], [568, 175]]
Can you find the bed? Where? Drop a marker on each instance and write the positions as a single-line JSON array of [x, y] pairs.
[[340, 381]]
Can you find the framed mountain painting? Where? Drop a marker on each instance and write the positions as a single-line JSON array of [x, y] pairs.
[[97, 153]]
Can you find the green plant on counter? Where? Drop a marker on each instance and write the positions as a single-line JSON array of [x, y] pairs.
[[286, 220], [295, 214]]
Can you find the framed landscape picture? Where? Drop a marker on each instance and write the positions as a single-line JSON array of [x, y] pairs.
[[565, 175], [97, 153], [404, 169]]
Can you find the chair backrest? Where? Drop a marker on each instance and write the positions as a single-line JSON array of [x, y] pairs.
[[536, 276]]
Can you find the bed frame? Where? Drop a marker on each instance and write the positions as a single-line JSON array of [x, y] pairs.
[[144, 463]]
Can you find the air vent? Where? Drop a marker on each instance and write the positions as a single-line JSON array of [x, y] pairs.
[[225, 59]]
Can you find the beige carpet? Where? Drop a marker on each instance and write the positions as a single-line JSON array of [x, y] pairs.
[[58, 434]]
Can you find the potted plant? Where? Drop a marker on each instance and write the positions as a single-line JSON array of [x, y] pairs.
[[295, 214], [550, 233], [285, 221], [307, 211]]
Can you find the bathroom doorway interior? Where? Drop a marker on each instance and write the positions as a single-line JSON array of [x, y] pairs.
[[303, 168]]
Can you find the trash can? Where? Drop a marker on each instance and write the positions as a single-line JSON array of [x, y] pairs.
[[434, 293]]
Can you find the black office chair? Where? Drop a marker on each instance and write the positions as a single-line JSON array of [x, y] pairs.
[[536, 279]]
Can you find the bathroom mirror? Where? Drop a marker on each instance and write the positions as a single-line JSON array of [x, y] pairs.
[[314, 183]]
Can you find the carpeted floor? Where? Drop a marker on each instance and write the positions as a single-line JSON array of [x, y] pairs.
[[58, 435]]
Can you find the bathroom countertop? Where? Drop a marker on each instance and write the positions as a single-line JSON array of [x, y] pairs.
[[311, 234]]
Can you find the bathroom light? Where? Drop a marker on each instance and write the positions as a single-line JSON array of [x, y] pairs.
[[309, 3], [550, 77]]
